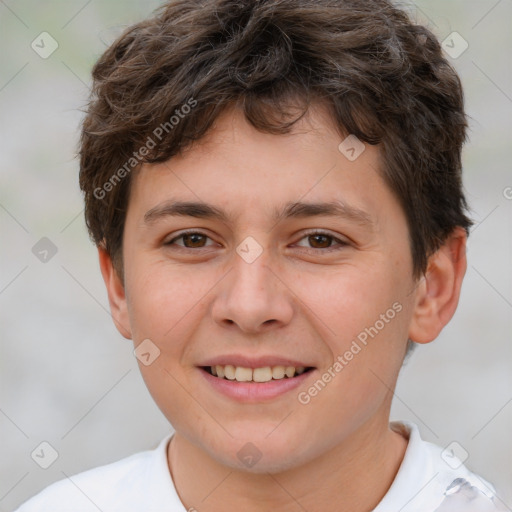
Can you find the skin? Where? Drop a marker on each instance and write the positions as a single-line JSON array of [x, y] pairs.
[[296, 299]]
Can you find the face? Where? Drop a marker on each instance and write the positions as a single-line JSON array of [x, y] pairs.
[[257, 278]]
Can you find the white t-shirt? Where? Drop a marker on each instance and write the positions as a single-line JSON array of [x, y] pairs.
[[429, 480]]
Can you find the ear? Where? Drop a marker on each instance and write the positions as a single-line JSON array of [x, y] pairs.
[[116, 294], [437, 294]]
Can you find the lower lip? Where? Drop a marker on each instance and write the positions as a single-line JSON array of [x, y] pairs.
[[255, 391]]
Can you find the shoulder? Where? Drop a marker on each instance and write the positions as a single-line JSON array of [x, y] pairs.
[[435, 479], [133, 483]]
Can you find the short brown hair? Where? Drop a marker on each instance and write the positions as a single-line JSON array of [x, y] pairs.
[[382, 77]]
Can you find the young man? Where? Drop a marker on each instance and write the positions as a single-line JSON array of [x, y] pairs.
[[275, 191]]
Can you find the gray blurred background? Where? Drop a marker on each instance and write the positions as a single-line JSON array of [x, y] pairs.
[[70, 379]]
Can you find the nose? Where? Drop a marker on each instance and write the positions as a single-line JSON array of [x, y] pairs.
[[253, 296]]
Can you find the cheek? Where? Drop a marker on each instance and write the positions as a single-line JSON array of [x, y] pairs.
[[346, 302], [164, 300], [165, 306], [361, 315]]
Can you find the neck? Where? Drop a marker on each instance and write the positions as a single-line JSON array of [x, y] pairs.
[[358, 473]]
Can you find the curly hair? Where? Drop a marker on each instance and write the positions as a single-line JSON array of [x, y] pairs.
[[165, 80]]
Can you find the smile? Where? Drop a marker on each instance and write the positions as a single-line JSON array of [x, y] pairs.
[[259, 384], [263, 374]]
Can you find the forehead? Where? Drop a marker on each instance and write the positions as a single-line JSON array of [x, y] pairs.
[[236, 169]]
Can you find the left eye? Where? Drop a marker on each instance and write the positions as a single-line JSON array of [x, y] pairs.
[[196, 240], [321, 238]]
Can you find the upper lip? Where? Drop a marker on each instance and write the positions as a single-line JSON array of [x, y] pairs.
[[253, 362]]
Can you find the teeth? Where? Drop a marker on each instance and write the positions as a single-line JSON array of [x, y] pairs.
[[229, 372], [265, 374], [278, 372], [262, 374], [243, 374]]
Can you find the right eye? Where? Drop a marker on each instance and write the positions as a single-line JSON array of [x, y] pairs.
[[191, 240]]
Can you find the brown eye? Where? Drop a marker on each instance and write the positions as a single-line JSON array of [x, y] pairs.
[[194, 239], [320, 241], [191, 240], [323, 242]]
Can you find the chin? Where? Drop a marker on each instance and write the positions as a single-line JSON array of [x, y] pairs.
[[269, 463], [261, 453]]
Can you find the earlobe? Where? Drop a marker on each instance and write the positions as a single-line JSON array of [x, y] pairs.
[[437, 295], [116, 294]]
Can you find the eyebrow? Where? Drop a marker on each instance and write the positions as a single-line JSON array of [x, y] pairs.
[[202, 210]]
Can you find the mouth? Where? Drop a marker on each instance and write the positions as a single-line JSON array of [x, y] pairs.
[[254, 379], [256, 375]]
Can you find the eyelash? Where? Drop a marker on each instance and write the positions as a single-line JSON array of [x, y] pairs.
[[341, 243]]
